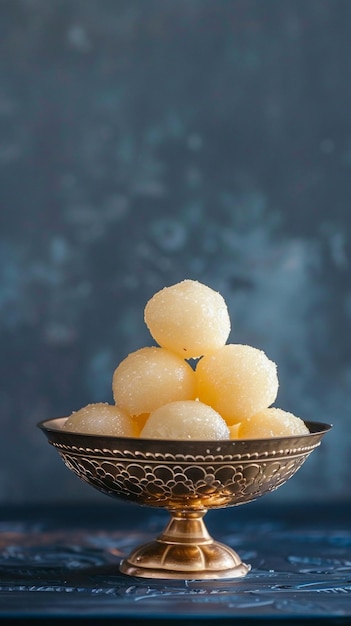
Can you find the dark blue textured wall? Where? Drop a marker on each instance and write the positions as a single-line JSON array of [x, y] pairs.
[[143, 142]]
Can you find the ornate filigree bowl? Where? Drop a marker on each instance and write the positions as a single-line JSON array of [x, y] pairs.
[[187, 478]]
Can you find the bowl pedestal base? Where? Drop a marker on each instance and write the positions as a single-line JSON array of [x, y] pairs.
[[185, 550]]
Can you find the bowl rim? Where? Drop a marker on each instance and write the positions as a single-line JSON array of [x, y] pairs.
[[51, 425]]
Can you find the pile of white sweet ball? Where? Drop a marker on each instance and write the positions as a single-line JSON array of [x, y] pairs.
[[193, 384]]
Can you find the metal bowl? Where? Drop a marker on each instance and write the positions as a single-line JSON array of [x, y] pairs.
[[187, 478]]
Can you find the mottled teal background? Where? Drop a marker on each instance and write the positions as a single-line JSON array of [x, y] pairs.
[[143, 142]]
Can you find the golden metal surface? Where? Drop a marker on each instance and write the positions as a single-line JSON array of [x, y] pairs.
[[185, 550], [187, 478]]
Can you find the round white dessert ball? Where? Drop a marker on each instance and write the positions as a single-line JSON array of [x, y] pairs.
[[150, 377], [188, 318], [237, 381], [271, 422], [185, 420], [101, 418]]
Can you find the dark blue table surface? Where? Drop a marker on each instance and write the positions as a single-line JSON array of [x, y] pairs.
[[62, 561]]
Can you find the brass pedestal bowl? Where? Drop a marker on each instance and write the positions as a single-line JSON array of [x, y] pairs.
[[187, 478]]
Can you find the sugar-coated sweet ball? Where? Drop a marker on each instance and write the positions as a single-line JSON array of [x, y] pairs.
[[188, 318], [150, 377], [101, 418], [271, 422], [237, 381], [185, 420]]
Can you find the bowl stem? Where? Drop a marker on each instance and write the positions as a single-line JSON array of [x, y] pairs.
[[185, 550]]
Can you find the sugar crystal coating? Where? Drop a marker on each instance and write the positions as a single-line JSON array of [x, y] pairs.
[[271, 422], [237, 381], [101, 418], [150, 377], [188, 318], [158, 394], [185, 420]]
